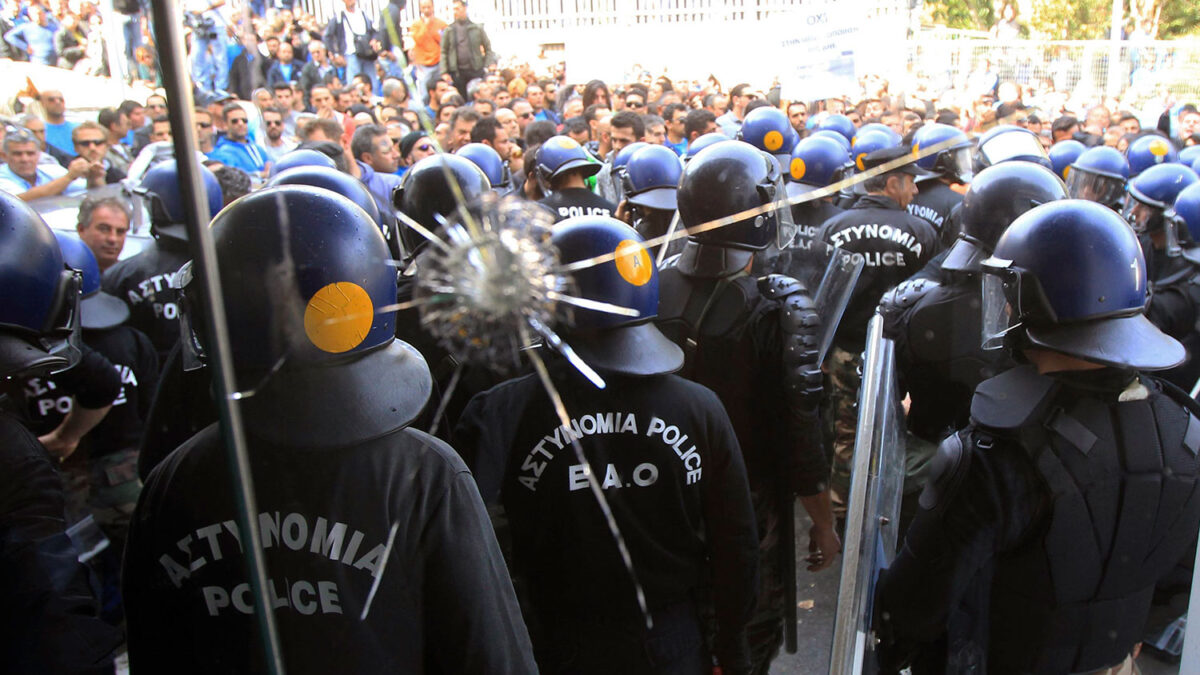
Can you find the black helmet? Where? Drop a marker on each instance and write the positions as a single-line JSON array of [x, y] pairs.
[[996, 196], [427, 194], [1070, 277], [39, 305], [727, 179], [307, 291]]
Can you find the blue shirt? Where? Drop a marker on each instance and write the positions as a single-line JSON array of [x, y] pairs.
[[680, 148], [11, 183], [39, 38], [245, 156], [59, 135]]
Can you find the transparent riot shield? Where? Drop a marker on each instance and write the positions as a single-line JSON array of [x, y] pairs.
[[872, 516], [827, 272]]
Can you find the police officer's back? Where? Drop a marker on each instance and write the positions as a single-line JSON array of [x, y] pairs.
[[893, 243], [562, 167], [664, 454], [1074, 488], [936, 199], [373, 532], [144, 280]]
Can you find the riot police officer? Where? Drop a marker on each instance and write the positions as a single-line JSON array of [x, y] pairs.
[[1099, 175], [1074, 487], [936, 199], [650, 182], [752, 342], [48, 620], [935, 323], [1174, 279], [663, 452], [562, 167], [144, 280], [895, 245], [816, 162], [379, 541]]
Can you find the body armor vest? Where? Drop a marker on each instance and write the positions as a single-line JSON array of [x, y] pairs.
[[1123, 507]]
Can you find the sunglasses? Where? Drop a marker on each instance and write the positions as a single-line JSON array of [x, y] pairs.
[[635, 104], [87, 143], [525, 116], [204, 125], [274, 123], [425, 147], [236, 120]]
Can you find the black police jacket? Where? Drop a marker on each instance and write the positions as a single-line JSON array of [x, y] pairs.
[[572, 202], [379, 554], [668, 462], [48, 621], [933, 204], [1175, 308], [1068, 497], [894, 244], [144, 283]]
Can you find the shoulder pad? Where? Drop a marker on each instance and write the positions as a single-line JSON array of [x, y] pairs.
[[779, 286], [1191, 439], [948, 465], [1012, 398], [902, 297]]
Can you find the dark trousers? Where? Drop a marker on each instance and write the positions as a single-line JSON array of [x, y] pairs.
[[675, 646], [462, 77]]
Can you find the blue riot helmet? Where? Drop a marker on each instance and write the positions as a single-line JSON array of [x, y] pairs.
[[882, 128], [769, 130], [651, 178], [728, 179], [1189, 155], [839, 123], [867, 142], [1007, 143], [347, 186], [39, 305], [486, 158], [301, 157], [331, 179], [703, 142], [1053, 283], [307, 290], [1063, 154], [1152, 192], [830, 133], [953, 162], [996, 197], [606, 341], [98, 310], [161, 185], [560, 155], [617, 167], [816, 162], [1186, 212], [430, 192], [1149, 150], [1099, 175]]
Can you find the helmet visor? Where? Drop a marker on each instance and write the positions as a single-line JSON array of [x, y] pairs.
[[775, 193], [61, 333], [1142, 216], [1094, 187], [1008, 146], [956, 164], [191, 347], [1000, 282]]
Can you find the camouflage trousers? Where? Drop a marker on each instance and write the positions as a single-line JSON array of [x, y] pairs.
[[844, 370]]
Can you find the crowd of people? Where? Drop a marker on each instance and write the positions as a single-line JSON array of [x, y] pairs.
[[641, 526]]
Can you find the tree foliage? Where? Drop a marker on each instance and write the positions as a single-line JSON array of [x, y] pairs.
[[1073, 19]]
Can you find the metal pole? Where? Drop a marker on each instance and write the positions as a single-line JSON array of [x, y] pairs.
[[168, 24]]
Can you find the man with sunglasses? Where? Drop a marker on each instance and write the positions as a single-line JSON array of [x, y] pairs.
[[236, 149], [91, 143], [58, 129], [731, 122], [414, 147], [23, 176], [277, 142]]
